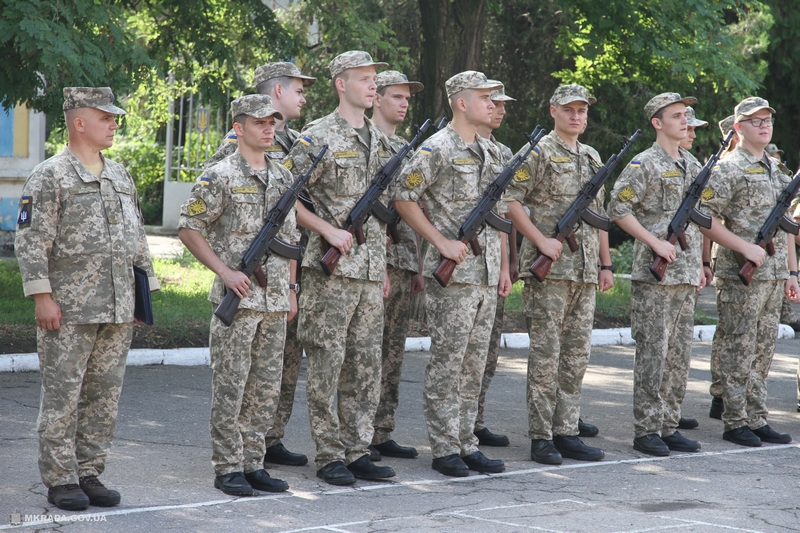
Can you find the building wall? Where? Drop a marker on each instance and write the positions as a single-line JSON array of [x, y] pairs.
[[22, 136]]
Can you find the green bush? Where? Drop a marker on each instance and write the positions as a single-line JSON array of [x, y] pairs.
[[622, 257], [145, 161]]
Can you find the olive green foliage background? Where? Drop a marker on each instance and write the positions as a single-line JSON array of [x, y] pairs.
[[624, 51]]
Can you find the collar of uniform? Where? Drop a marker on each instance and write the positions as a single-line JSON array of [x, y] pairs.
[[754, 160], [82, 171], [247, 170], [565, 146], [664, 155], [484, 144]]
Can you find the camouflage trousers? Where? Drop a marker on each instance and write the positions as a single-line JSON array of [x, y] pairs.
[[560, 315], [82, 368], [744, 344], [786, 317], [460, 319], [246, 360], [491, 360], [292, 360], [395, 329], [662, 324], [341, 323]]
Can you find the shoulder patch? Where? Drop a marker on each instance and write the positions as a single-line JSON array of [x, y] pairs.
[[560, 159], [25, 209], [288, 164], [635, 164], [425, 150], [708, 194], [671, 174], [535, 152], [305, 140], [232, 138], [414, 179], [463, 160], [523, 174], [198, 207], [204, 180], [345, 154], [627, 193]]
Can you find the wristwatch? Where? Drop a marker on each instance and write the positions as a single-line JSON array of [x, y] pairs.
[[608, 267], [295, 287]]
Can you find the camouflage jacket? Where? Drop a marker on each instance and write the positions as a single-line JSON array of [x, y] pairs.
[[651, 188], [277, 152], [741, 192], [78, 237], [547, 183], [449, 178], [337, 184], [230, 202]]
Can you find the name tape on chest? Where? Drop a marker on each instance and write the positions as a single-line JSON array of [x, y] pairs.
[[560, 159], [463, 160], [274, 148], [346, 154], [252, 189], [671, 174], [755, 170]]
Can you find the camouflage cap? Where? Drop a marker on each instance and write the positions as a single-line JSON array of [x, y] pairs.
[[662, 100], [280, 69], [499, 94], [750, 105], [692, 120], [254, 105], [773, 149], [97, 97], [726, 125], [570, 93], [469, 79], [353, 59], [394, 77]]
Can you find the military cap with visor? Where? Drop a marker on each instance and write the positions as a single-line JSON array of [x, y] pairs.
[[570, 93], [499, 94], [692, 120], [660, 101], [394, 77], [254, 105], [750, 105], [279, 70], [353, 59], [469, 79], [97, 97]]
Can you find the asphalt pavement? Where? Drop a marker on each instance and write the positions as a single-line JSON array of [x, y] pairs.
[[160, 462]]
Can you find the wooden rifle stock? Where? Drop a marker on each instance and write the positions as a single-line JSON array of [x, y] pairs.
[[446, 267], [332, 256], [748, 270], [541, 267], [659, 266]]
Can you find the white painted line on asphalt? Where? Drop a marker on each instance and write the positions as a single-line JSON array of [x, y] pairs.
[[415, 483], [691, 522]]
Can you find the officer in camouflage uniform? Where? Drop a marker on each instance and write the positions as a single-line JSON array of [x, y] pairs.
[[284, 83], [448, 175], [645, 198], [742, 192], [560, 310], [403, 268], [341, 316], [230, 202], [485, 436], [79, 234]]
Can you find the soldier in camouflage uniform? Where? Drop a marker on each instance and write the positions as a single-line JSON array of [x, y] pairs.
[[485, 436], [79, 234], [403, 268], [692, 122], [230, 202], [645, 198], [743, 191], [285, 84], [560, 310], [796, 215], [448, 175], [341, 316]]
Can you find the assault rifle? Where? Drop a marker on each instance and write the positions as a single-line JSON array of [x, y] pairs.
[[370, 204], [579, 210], [267, 242], [688, 212], [482, 213], [776, 220]]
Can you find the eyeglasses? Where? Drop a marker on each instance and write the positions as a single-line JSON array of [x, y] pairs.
[[758, 122]]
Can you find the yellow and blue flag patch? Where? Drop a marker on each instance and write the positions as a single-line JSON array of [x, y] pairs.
[[204, 180], [635, 164], [232, 138], [425, 150], [305, 140]]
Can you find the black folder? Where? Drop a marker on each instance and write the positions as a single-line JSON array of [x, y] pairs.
[[143, 310]]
